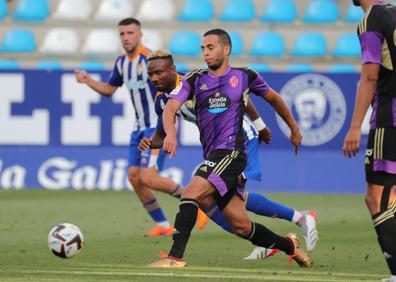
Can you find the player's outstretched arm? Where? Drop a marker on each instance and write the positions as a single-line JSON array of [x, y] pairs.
[[264, 133], [168, 118], [102, 88], [280, 107], [364, 97]]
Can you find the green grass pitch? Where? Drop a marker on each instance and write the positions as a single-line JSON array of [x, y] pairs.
[[115, 250]]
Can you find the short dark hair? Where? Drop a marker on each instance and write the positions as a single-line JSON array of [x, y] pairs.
[[222, 34], [128, 21]]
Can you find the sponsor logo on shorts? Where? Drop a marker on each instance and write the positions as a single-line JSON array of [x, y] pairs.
[[318, 106], [218, 103], [209, 163]]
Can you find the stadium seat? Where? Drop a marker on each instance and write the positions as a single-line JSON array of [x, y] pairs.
[[342, 68], [182, 68], [321, 11], [18, 40], [114, 10], [156, 10], [60, 41], [49, 65], [31, 11], [310, 44], [152, 39], [237, 43], [259, 67], [353, 14], [280, 11], [3, 9], [185, 43], [9, 65], [238, 11], [347, 45], [94, 44], [196, 11], [269, 44], [73, 10], [91, 66], [300, 68]]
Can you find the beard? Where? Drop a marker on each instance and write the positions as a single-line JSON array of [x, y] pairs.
[[215, 66]]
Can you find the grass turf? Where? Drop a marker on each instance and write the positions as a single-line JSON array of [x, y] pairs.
[[115, 250]]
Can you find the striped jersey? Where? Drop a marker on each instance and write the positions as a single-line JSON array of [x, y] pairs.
[[133, 73], [377, 34]]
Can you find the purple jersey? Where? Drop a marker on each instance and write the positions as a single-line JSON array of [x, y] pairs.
[[376, 36], [219, 104]]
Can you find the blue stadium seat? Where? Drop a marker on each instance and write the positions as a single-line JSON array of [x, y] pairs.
[[300, 68], [280, 11], [347, 45], [185, 43], [310, 44], [268, 44], [238, 11], [196, 11], [321, 11], [353, 14], [3, 9], [18, 40], [182, 68], [259, 67], [31, 11], [342, 68], [91, 66], [9, 65], [237, 43], [49, 65]]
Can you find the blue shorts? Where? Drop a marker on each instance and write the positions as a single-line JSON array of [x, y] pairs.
[[149, 158], [253, 167]]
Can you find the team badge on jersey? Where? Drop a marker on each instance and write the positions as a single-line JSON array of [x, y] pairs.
[[218, 103], [318, 106], [234, 81]]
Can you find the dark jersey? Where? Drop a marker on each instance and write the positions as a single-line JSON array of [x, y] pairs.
[[219, 104], [377, 35]]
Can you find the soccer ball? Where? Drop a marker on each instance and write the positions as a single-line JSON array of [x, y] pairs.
[[65, 240]]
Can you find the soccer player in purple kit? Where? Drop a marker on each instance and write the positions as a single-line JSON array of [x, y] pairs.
[[377, 87], [131, 69], [220, 94]]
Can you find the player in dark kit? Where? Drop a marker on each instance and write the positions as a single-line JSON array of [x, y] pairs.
[[378, 87], [219, 95]]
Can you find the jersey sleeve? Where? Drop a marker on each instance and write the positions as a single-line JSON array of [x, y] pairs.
[[182, 92], [257, 84], [159, 111], [115, 77], [371, 37]]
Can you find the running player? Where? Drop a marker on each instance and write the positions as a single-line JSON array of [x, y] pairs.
[[220, 94], [131, 69], [162, 72], [377, 87]]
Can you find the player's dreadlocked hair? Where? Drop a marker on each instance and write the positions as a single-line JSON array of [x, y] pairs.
[[161, 54]]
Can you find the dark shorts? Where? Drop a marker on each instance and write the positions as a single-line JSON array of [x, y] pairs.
[[223, 169], [380, 160]]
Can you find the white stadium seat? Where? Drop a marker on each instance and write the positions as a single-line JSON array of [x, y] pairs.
[[114, 10], [60, 41], [102, 42], [156, 10], [152, 39], [73, 10]]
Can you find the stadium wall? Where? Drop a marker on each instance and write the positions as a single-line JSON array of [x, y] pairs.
[[58, 134]]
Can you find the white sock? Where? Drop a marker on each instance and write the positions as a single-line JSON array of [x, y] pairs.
[[163, 223], [393, 278], [296, 216]]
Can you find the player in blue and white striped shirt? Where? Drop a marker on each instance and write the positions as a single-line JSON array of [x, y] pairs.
[[131, 69]]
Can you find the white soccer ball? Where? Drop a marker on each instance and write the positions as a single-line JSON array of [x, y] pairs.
[[65, 240]]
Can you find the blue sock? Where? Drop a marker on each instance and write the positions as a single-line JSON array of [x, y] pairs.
[[217, 216], [261, 205], [154, 210]]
